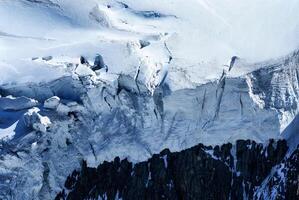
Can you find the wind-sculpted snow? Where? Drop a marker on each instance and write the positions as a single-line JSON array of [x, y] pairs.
[[201, 37], [97, 119]]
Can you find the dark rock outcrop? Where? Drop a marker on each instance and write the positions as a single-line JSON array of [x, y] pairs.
[[99, 63], [201, 172], [292, 176], [283, 183]]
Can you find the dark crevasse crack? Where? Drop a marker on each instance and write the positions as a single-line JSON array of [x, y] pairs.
[[219, 94], [93, 151], [203, 100], [241, 104], [43, 194]]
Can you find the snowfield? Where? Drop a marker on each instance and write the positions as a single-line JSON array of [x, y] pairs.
[[169, 81], [200, 35]]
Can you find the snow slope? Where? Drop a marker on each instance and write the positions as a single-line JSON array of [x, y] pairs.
[[201, 36]]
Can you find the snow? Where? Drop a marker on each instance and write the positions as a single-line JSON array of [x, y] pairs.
[[63, 109], [165, 161], [146, 101], [201, 35], [19, 103], [83, 70], [278, 173], [9, 132], [52, 103], [33, 119]]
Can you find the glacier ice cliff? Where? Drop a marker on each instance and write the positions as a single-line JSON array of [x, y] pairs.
[[98, 119]]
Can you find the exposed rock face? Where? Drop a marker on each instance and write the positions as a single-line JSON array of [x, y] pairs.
[[98, 63], [292, 177], [283, 183], [201, 172], [47, 58]]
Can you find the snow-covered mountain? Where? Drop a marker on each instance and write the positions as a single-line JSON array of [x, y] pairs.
[[200, 35], [173, 74]]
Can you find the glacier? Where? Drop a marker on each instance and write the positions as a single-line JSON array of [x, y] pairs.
[[167, 85]]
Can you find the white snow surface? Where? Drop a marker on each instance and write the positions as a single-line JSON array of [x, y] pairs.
[[33, 119], [201, 35], [8, 133], [52, 102], [146, 101]]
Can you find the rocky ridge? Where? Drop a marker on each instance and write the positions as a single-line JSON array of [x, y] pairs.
[[200, 172]]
